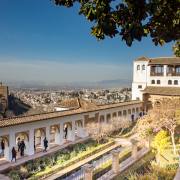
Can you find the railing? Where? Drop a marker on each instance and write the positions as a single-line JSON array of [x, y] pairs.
[[117, 166], [78, 175], [156, 74], [173, 74]]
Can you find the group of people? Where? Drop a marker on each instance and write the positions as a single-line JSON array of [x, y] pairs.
[[21, 147]]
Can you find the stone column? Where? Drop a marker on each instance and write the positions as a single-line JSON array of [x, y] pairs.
[[165, 70], [61, 135], [148, 142], [73, 131], [88, 171], [30, 150], [48, 135], [12, 143], [115, 161], [134, 149]]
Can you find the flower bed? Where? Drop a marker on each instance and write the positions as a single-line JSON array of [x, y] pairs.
[[50, 164]]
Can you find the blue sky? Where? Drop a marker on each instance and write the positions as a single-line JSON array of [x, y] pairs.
[[43, 42]]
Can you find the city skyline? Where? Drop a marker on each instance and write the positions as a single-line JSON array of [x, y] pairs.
[[44, 42]]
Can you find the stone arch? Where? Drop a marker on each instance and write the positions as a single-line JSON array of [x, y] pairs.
[[22, 136], [133, 110], [129, 111], [124, 113], [108, 118], [137, 110], [54, 132], [39, 135], [79, 130], [120, 113], [4, 154], [114, 115], [68, 125], [79, 123], [102, 120], [6, 140], [67, 128]]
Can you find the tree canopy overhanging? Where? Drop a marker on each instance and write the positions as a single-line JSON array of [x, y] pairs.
[[131, 19]]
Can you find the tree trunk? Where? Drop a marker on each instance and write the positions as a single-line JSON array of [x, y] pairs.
[[173, 142]]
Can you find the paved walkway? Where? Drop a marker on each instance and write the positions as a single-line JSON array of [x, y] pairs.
[[9, 165], [2, 177], [80, 163], [177, 177]]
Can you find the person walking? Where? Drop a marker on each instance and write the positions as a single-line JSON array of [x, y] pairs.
[[22, 147], [18, 143], [2, 146], [45, 144], [13, 154], [34, 144], [65, 131]]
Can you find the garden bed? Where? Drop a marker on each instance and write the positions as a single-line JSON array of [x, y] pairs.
[[140, 166], [50, 164], [126, 153]]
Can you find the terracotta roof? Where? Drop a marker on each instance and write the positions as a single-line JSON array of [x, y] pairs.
[[143, 58], [160, 60], [45, 116], [169, 91], [165, 60]]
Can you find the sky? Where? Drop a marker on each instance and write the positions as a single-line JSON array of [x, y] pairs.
[[40, 41]]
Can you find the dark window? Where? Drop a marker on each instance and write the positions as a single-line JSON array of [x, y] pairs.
[[119, 113], [124, 113], [169, 82], [157, 70], [175, 82], [143, 67], [137, 109], [139, 86], [153, 82], [138, 67], [129, 111], [158, 82], [177, 70]]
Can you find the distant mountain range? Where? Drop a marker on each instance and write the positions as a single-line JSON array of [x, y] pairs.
[[117, 83]]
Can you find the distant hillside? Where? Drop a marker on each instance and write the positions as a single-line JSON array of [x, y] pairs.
[[115, 83]]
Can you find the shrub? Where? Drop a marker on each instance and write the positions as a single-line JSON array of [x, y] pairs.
[[24, 172], [29, 166], [14, 174], [162, 173]]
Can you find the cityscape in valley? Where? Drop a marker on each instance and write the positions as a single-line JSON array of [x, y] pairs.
[[59, 118]]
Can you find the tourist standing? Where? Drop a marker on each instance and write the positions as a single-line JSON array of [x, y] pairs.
[[2, 146], [45, 144], [34, 143], [132, 118], [18, 143], [65, 132], [13, 154], [22, 147]]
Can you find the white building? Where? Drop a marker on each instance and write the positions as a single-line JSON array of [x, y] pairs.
[[33, 129], [156, 76]]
